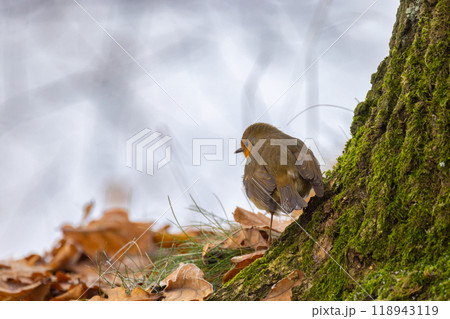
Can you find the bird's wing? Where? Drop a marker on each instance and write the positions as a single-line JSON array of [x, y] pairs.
[[309, 169], [260, 185]]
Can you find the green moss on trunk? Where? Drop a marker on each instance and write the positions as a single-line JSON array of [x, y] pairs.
[[385, 217]]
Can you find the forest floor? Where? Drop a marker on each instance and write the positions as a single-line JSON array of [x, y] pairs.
[[113, 258]]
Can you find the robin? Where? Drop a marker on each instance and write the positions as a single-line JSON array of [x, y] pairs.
[[280, 170]]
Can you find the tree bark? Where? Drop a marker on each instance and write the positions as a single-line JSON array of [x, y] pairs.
[[382, 229]]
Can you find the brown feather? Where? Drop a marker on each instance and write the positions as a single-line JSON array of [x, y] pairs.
[[273, 186]]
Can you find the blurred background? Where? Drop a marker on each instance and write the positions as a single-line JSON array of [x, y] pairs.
[[79, 78]]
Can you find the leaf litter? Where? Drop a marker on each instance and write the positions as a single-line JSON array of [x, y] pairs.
[[109, 259]]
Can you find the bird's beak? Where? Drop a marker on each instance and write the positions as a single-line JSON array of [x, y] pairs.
[[239, 150]]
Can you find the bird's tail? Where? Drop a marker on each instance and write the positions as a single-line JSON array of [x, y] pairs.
[[290, 199]]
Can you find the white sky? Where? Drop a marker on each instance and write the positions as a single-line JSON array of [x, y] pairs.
[[70, 97]]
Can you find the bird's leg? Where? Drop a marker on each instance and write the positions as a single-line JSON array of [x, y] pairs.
[[270, 228]]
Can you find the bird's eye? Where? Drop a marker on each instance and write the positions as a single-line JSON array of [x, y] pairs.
[[246, 143]]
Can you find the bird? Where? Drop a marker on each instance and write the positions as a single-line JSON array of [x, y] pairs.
[[280, 170]]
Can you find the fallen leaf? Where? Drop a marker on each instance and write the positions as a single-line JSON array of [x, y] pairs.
[[87, 209], [240, 263], [206, 248], [38, 294], [235, 241], [17, 290], [88, 272], [254, 239], [61, 282], [168, 240], [295, 215], [73, 293], [31, 279], [21, 271], [186, 283], [64, 255], [282, 290], [34, 260], [98, 298], [119, 294], [65, 272], [112, 233], [312, 193], [245, 260], [248, 238], [62, 277], [251, 220]]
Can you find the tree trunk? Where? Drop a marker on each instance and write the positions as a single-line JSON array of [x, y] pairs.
[[382, 229]]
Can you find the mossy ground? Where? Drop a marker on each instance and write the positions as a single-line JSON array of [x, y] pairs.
[[386, 215]]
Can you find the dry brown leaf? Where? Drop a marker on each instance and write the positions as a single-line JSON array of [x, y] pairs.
[[72, 293], [295, 215], [40, 293], [14, 290], [17, 290], [167, 240], [249, 237], [235, 241], [111, 233], [62, 277], [186, 283], [251, 220], [282, 290], [206, 249], [230, 274], [119, 294], [312, 193], [240, 263], [87, 209], [98, 298], [61, 282], [64, 255], [245, 260], [66, 271], [27, 279], [254, 239], [21, 281], [86, 271], [34, 260], [20, 270]]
